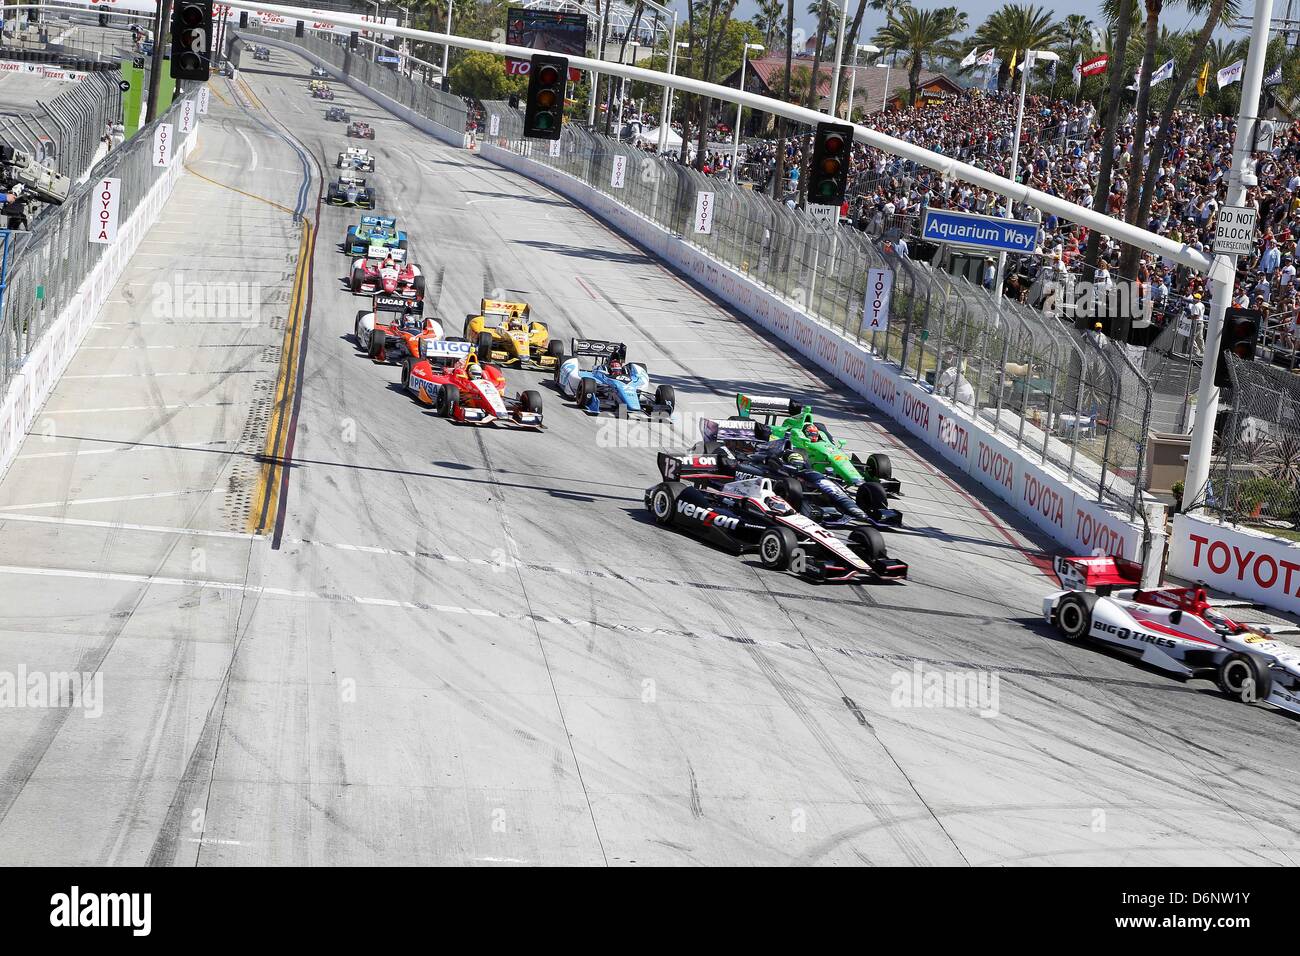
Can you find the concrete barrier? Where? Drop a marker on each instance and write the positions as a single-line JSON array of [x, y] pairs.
[[1038, 491], [31, 385], [1249, 564]]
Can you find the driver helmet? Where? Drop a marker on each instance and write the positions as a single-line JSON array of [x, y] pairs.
[[474, 370], [796, 459], [812, 432], [615, 368], [515, 324], [388, 262]]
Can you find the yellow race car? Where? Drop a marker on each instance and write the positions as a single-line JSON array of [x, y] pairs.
[[503, 333], [318, 85]]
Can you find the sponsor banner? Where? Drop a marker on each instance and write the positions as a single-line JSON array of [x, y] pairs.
[[310, 21], [875, 310], [163, 140], [1094, 66], [42, 70], [494, 125], [188, 118], [703, 213], [103, 211], [108, 6], [1249, 565], [204, 96], [618, 172]]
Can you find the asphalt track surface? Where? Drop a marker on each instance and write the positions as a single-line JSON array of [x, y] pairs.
[[473, 646]]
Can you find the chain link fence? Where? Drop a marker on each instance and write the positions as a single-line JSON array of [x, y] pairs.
[[1255, 474], [47, 265]]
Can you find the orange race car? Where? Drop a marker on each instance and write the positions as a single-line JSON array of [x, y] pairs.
[[394, 329], [450, 378]]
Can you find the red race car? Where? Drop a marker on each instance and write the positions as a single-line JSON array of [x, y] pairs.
[[452, 380], [361, 130], [387, 276], [395, 329]]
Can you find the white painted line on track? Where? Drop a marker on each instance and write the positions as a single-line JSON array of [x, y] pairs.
[[126, 447], [249, 143], [217, 371], [210, 345], [122, 526], [104, 501], [138, 408]]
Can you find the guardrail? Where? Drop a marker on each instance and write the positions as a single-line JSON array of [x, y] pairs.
[[51, 261]]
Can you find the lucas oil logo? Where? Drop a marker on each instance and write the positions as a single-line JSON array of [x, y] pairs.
[[707, 516]]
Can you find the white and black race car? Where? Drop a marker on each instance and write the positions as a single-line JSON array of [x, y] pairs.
[[1173, 628]]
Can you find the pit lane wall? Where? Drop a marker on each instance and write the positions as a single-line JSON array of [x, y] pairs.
[[1238, 561], [1039, 492], [31, 385], [452, 137]]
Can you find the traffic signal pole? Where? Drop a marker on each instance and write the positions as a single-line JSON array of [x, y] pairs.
[[156, 68], [1223, 270]]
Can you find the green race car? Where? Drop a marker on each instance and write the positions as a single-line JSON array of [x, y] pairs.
[[787, 419]]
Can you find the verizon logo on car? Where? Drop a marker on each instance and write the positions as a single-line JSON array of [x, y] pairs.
[[707, 515]]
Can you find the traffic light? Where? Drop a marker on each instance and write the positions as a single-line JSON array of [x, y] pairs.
[[191, 40], [353, 39], [828, 173], [298, 30], [544, 112], [243, 19], [1240, 333]]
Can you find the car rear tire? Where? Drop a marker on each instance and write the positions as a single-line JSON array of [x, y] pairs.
[[559, 363], [448, 400], [1074, 616], [483, 346], [868, 542], [1243, 678], [406, 371], [377, 342], [666, 395], [418, 285], [555, 350], [402, 245], [586, 389], [355, 279], [880, 466], [775, 548], [531, 401], [663, 504], [790, 490], [871, 498]]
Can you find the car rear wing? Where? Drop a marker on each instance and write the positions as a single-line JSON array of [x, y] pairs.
[[389, 222], [766, 407], [743, 432], [381, 252], [599, 348], [501, 307], [399, 304], [688, 467], [1101, 574], [445, 351]]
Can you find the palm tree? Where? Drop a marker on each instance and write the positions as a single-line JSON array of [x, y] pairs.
[[921, 35], [1076, 31], [1014, 29], [824, 11], [1123, 24], [778, 171], [768, 19]]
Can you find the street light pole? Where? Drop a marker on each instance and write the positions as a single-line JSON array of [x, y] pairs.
[[884, 97], [839, 59], [1015, 160], [735, 141], [853, 77], [666, 109], [600, 55], [446, 47], [1224, 268]]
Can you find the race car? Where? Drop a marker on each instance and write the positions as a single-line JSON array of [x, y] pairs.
[[394, 330], [449, 377], [1173, 628], [730, 450], [361, 130], [336, 114], [325, 93], [388, 276], [814, 440], [747, 516], [315, 85], [261, 53], [351, 190], [356, 157], [376, 237], [612, 382], [503, 332], [320, 73]]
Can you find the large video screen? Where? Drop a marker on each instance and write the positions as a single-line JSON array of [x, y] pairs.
[[547, 31]]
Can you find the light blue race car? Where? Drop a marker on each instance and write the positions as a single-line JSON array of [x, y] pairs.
[[376, 237], [612, 382]]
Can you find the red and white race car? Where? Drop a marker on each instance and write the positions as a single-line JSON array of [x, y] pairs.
[[361, 130], [1173, 628], [395, 330], [450, 378], [387, 276]]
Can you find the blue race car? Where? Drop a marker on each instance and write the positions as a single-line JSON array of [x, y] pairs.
[[612, 382], [376, 237]]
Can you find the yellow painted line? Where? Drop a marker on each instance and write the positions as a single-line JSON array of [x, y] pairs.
[[266, 498], [216, 91], [236, 189], [248, 92]]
